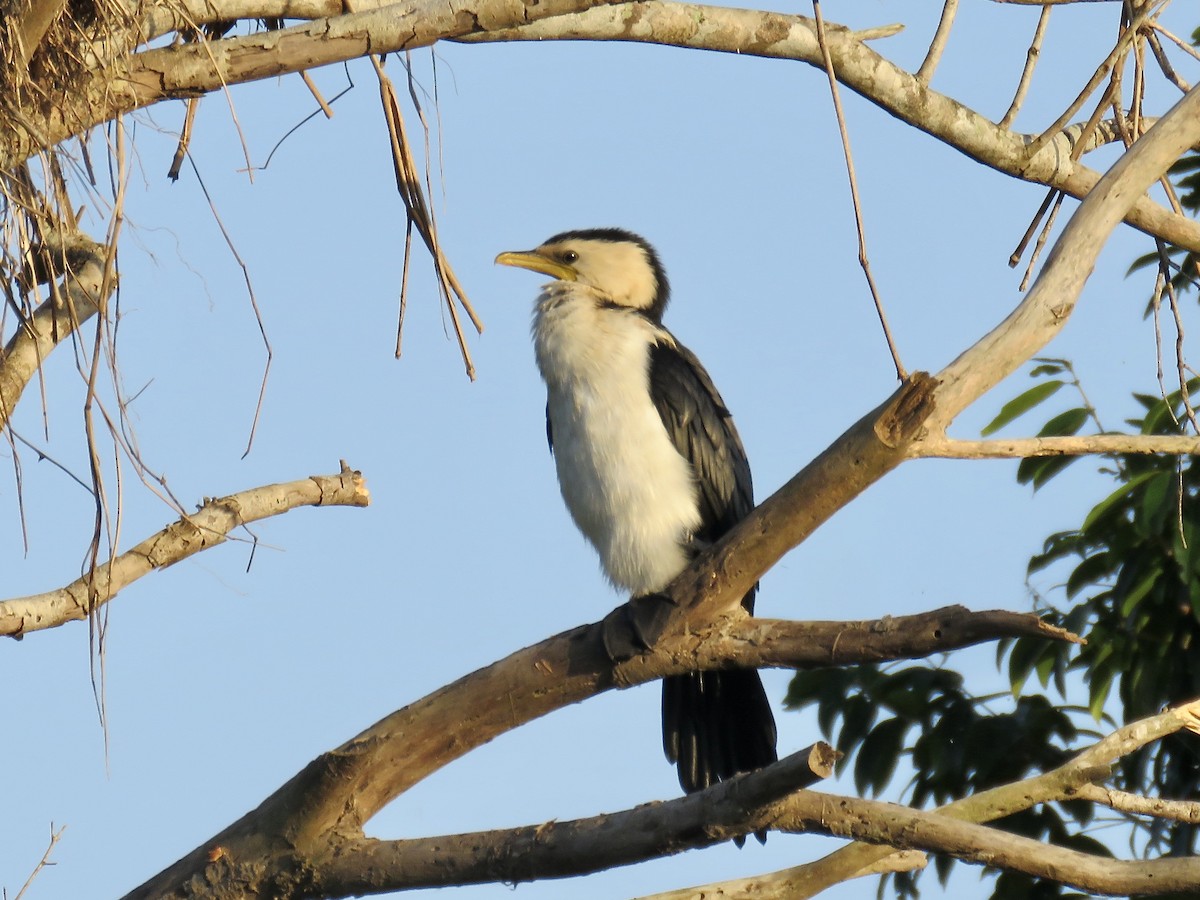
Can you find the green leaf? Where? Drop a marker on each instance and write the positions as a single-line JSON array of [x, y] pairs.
[[1021, 662], [1088, 572], [1048, 367], [1142, 262], [1158, 501], [1068, 422], [879, 755], [1115, 497], [1022, 403], [1047, 665], [1099, 687], [1139, 591], [1037, 470]]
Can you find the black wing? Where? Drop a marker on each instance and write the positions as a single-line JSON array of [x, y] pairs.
[[702, 430], [718, 723]]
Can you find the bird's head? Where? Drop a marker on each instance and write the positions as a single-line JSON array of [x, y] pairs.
[[615, 262]]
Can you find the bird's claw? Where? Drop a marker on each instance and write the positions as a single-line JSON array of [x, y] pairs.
[[634, 627]]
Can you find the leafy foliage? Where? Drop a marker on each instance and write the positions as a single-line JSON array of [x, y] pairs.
[[1132, 586], [1136, 582]]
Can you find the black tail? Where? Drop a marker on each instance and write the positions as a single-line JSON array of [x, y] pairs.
[[715, 725]]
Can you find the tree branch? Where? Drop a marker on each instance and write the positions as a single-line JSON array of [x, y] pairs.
[[727, 810], [1071, 445], [190, 69], [79, 297], [778, 36], [1123, 801], [337, 793], [1044, 311], [1067, 780], [897, 826], [753, 642], [206, 528], [133, 81]]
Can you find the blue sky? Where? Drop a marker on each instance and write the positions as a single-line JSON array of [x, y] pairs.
[[221, 683]]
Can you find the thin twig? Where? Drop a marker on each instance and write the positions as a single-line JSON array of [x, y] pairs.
[[938, 45], [312, 88], [863, 261], [1098, 76], [43, 862], [1019, 250], [408, 230], [185, 138], [312, 115], [1031, 58], [1041, 240], [262, 328], [1175, 39]]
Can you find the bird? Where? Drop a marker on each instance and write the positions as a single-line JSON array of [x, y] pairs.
[[649, 464]]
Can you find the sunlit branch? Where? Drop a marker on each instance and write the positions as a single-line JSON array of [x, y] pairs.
[[858, 67], [76, 299], [1068, 780], [1070, 445], [558, 849], [207, 527]]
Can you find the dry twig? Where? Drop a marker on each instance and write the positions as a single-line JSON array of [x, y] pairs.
[[863, 259]]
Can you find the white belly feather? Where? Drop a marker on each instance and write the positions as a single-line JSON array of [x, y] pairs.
[[628, 489]]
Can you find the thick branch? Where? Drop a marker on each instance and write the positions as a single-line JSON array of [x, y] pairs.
[[77, 299], [559, 849], [763, 643], [207, 527], [778, 36], [190, 69], [338, 792], [1045, 309]]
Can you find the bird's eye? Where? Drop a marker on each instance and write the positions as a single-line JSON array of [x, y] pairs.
[[570, 256]]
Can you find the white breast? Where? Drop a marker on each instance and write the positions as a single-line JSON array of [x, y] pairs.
[[628, 489]]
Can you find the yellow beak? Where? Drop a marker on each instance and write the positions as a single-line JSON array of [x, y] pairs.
[[535, 262]]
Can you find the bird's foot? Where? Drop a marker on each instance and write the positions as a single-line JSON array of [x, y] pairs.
[[635, 627]]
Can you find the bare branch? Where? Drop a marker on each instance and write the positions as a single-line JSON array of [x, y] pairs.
[[558, 849], [756, 642], [898, 826], [1123, 801], [55, 835], [1084, 768], [335, 795], [938, 45], [1070, 445], [900, 93], [1031, 58], [207, 527], [791, 884], [187, 70], [1051, 300], [76, 300], [864, 261], [750, 802]]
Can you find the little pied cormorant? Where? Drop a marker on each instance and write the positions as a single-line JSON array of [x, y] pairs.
[[649, 463]]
